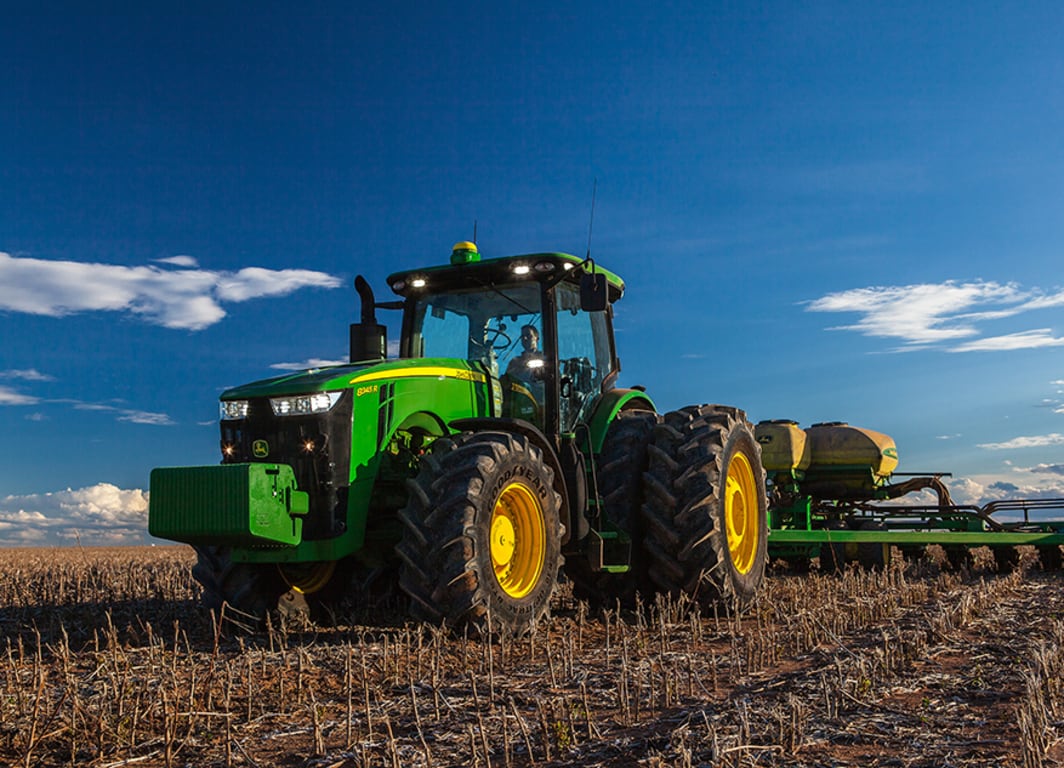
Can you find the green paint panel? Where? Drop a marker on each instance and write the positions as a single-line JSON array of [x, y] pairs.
[[609, 405], [239, 505]]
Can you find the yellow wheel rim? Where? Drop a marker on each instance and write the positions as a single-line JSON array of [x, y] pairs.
[[741, 519], [518, 540], [308, 578]]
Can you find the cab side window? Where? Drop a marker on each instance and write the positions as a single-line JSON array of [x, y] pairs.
[[584, 356]]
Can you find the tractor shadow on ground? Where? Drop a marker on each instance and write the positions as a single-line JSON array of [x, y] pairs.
[[183, 623], [130, 622]]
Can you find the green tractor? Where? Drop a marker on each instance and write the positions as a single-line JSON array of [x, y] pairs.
[[492, 456]]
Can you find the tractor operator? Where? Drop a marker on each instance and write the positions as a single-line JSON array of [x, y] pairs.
[[529, 364]]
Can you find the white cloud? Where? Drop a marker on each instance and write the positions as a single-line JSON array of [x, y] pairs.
[[9, 396], [314, 362], [1047, 469], [186, 298], [256, 282], [1041, 337], [124, 414], [1031, 441], [963, 490], [1045, 302], [936, 314], [98, 514], [145, 417], [919, 314], [179, 261], [26, 374]]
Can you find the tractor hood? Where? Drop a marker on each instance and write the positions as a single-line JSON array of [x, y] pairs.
[[341, 377]]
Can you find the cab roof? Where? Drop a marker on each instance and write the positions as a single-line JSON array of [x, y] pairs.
[[467, 269]]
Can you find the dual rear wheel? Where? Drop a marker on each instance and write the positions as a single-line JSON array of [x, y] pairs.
[[705, 507], [481, 540]]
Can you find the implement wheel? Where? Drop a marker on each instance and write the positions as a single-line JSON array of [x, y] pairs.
[[871, 555], [619, 471], [481, 534], [252, 589], [958, 556], [705, 506], [833, 554], [1049, 555], [1006, 559]]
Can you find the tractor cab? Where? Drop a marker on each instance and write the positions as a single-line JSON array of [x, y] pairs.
[[539, 327]]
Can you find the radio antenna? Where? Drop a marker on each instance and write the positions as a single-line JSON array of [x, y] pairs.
[[474, 231], [591, 220]]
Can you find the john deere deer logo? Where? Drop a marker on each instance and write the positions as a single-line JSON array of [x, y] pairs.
[[260, 449]]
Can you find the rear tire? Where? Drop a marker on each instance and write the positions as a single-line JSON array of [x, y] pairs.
[[705, 506], [619, 471], [481, 534]]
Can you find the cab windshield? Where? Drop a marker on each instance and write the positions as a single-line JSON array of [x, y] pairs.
[[491, 325]]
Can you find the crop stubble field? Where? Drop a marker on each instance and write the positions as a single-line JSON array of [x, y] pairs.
[[108, 661]]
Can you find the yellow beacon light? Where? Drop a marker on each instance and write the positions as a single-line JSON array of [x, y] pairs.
[[464, 253]]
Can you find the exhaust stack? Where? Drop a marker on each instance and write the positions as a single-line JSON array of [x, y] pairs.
[[369, 339]]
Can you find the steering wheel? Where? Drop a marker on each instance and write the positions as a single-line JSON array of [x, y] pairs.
[[495, 339]]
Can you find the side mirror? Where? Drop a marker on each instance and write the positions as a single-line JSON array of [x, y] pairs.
[[593, 292]]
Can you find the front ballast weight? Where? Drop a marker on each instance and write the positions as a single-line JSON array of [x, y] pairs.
[[233, 505]]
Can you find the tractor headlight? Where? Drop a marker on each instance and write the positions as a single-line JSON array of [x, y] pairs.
[[233, 409], [301, 405]]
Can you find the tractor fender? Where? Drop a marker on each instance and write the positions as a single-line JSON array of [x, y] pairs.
[[536, 436], [609, 404], [362, 490]]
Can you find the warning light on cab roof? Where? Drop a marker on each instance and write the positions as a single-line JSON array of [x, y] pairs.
[[464, 253]]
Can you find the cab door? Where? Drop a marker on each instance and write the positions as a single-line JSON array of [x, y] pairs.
[[585, 356]]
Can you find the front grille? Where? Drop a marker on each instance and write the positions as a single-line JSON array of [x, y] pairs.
[[317, 447]]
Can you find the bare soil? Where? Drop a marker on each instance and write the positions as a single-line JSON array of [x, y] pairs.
[[106, 660]]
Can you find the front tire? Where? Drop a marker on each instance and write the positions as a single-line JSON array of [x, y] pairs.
[[705, 506], [252, 589], [481, 543]]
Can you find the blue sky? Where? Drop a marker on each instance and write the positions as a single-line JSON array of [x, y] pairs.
[[841, 211]]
